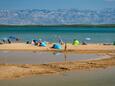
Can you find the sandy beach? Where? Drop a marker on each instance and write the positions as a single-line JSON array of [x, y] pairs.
[[89, 48], [14, 71]]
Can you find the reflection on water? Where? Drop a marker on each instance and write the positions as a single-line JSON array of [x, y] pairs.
[[20, 57], [99, 77]]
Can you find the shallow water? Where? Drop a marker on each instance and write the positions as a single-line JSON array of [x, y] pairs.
[[67, 34], [21, 57], [98, 77]]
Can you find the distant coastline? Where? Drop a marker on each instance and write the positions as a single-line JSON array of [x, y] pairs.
[[62, 25]]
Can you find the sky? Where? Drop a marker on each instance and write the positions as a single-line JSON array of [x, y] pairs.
[[56, 4]]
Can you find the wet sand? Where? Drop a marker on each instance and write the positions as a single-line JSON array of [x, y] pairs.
[[13, 71]]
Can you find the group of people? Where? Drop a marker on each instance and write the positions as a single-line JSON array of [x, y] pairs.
[[9, 40], [38, 42], [42, 43], [58, 45]]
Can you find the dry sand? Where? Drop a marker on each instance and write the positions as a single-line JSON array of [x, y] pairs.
[[93, 48], [13, 71]]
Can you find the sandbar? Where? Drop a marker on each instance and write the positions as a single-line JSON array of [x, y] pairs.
[[14, 71]]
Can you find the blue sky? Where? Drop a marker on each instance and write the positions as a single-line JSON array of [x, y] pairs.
[[56, 4]]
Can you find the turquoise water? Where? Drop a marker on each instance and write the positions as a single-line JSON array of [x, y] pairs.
[[67, 34]]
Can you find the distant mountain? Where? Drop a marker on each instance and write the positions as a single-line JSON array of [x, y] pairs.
[[60, 16]]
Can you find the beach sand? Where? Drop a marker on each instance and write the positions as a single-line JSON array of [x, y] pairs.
[[14, 71], [89, 48]]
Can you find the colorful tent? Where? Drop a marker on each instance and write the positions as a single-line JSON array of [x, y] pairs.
[[43, 44], [76, 42], [57, 46]]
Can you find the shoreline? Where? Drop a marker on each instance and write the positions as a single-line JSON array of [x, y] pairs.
[[26, 70], [89, 48], [59, 25]]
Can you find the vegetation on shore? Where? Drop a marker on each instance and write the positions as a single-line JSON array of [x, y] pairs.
[[62, 25]]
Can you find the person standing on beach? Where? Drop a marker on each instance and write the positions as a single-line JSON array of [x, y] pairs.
[[60, 40], [65, 46]]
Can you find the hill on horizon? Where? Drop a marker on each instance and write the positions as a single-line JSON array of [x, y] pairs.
[[57, 17]]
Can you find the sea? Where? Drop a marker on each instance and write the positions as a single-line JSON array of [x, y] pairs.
[[54, 33]]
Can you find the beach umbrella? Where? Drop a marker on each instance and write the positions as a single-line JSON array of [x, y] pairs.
[[76, 42], [57, 46]]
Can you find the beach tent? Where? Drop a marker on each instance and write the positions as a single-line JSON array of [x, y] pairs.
[[57, 46], [43, 44], [35, 41], [76, 42]]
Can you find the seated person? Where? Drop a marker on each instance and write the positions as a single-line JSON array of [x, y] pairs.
[[61, 42]]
